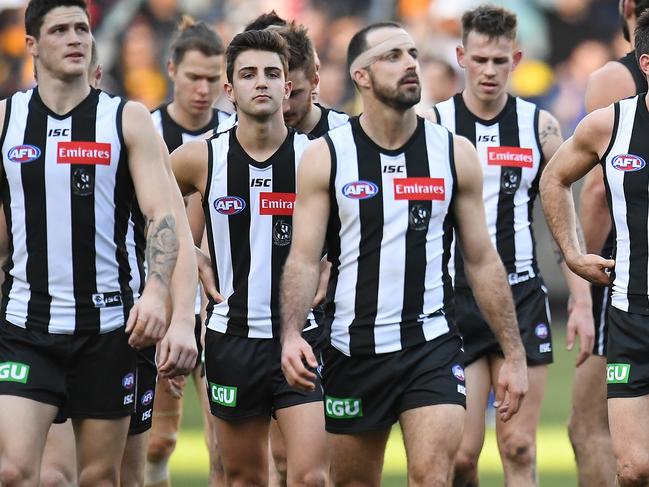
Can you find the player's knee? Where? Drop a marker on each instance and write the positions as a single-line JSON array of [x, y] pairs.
[[518, 450], [51, 477], [466, 464], [160, 448], [99, 477], [281, 469], [316, 477], [633, 473], [424, 475], [14, 474]]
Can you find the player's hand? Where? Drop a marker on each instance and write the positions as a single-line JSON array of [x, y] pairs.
[[295, 352], [321, 292], [177, 351], [593, 268], [580, 324], [206, 276], [147, 320], [511, 387]]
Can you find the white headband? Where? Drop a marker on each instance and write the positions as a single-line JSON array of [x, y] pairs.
[[364, 59]]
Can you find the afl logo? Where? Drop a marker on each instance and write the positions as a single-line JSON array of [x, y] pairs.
[[360, 190], [541, 331], [458, 372], [229, 205], [147, 398], [23, 153], [628, 162]]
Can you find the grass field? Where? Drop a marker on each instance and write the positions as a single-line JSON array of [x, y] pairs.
[[555, 458]]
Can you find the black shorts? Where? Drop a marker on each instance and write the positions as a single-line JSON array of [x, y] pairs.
[[601, 297], [368, 393], [627, 357], [84, 376], [245, 379], [145, 380], [532, 311]]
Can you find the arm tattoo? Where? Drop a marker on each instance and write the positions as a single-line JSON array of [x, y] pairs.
[[558, 255], [161, 248], [550, 130]]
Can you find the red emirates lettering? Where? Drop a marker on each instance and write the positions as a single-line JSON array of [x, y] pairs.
[[510, 156], [276, 203], [423, 189], [83, 153]]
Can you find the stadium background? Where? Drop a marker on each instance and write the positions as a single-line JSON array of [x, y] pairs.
[[563, 41]]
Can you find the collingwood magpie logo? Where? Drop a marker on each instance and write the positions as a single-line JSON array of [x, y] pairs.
[[419, 217], [510, 180], [282, 233], [82, 182]]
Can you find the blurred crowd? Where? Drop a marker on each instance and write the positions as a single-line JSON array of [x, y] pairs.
[[562, 42]]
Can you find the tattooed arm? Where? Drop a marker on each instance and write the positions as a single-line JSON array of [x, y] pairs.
[[580, 317], [147, 319]]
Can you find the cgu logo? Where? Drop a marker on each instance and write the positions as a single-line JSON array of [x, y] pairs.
[[14, 372], [617, 373], [360, 190], [627, 162], [343, 408], [23, 153], [229, 205], [224, 395]]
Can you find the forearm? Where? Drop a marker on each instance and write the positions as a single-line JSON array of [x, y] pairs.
[[161, 248], [493, 295], [298, 288], [559, 209]]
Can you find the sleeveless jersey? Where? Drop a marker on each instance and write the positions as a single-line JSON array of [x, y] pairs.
[[511, 156], [626, 177], [389, 239], [76, 234], [248, 211], [175, 135], [630, 62]]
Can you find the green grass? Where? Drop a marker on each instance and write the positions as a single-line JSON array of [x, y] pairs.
[[555, 458]]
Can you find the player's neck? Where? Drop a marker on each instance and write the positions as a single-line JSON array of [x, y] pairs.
[[387, 127], [261, 138], [310, 120], [61, 96], [187, 120], [483, 109]]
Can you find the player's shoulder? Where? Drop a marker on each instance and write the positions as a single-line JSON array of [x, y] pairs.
[[611, 82]]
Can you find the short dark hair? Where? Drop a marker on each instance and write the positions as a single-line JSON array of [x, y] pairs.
[[300, 49], [38, 9], [642, 36], [489, 20], [358, 43], [195, 36], [255, 40], [264, 21], [641, 6]]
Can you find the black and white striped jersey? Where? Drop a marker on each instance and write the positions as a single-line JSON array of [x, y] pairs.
[[249, 212], [75, 231], [329, 120], [175, 135], [626, 176], [510, 152], [389, 239]]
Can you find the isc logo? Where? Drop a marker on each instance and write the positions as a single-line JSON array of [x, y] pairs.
[[259, 183], [229, 205], [488, 138], [360, 190], [23, 153], [628, 162]]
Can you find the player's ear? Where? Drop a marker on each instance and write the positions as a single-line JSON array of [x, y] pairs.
[[229, 93], [32, 45], [459, 55], [518, 55], [171, 69], [643, 62], [361, 77], [288, 87]]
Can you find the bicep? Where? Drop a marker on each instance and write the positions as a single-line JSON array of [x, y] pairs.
[[312, 203], [468, 206], [146, 161]]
